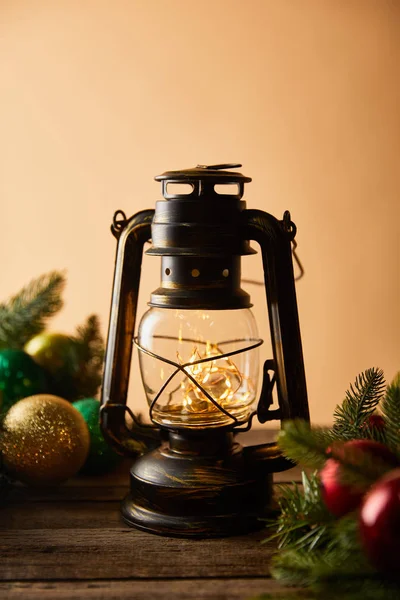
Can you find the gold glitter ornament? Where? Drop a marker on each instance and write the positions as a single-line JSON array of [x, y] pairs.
[[44, 440]]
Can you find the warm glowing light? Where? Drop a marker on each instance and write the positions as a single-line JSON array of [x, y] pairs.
[[209, 390], [218, 376]]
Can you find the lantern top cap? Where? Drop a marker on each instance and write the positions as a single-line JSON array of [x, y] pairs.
[[214, 173]]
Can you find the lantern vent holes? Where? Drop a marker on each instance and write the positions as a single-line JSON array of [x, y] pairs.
[[225, 273], [227, 189], [168, 271], [179, 188], [195, 273]]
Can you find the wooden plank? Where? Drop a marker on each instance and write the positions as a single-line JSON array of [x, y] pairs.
[[51, 515], [101, 489], [71, 511], [127, 553], [198, 589], [79, 510], [68, 494]]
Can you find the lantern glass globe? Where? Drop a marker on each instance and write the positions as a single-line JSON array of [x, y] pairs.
[[196, 365]]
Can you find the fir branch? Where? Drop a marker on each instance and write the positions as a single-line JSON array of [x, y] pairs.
[[320, 570], [396, 379], [26, 313], [294, 594], [304, 521], [359, 467], [303, 444], [311, 447], [351, 417], [294, 567], [371, 432], [317, 550], [90, 348], [356, 587], [341, 558], [390, 407], [345, 535]]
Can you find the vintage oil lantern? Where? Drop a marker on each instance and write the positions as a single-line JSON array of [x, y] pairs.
[[199, 356]]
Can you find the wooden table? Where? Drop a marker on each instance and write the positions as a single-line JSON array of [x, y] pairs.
[[70, 542]]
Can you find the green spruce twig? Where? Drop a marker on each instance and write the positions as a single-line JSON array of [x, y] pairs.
[[24, 315], [339, 556], [359, 467], [317, 550], [390, 407], [90, 348], [312, 446], [351, 417], [303, 444], [304, 521]]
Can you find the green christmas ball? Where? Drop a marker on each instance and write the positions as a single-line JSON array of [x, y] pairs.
[[20, 377], [101, 457], [58, 354]]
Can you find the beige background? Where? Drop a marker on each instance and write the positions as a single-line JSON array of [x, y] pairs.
[[98, 96]]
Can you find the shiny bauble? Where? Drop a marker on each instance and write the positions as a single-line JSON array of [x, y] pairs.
[[44, 440], [20, 377], [101, 457], [380, 523], [375, 422], [341, 498], [374, 426], [58, 354]]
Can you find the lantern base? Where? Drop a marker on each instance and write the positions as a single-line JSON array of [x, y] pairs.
[[197, 485]]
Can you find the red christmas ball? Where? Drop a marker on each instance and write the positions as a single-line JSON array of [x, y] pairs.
[[376, 421], [380, 523], [341, 498]]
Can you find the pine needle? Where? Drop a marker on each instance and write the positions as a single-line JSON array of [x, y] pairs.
[[90, 347], [25, 314], [303, 444], [351, 417], [390, 407], [341, 557], [359, 467], [304, 521]]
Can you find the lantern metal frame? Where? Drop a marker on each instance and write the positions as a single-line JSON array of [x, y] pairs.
[[196, 482]]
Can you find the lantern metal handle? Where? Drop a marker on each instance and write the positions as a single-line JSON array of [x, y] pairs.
[[274, 238], [132, 234]]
